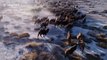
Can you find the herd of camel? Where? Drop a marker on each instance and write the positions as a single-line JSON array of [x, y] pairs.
[[66, 19]]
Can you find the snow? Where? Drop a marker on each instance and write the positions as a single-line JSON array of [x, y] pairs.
[[97, 50], [77, 30], [18, 18], [6, 54]]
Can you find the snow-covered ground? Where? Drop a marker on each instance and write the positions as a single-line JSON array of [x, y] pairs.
[[17, 17]]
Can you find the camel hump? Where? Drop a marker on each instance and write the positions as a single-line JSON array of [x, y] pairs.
[[80, 35]]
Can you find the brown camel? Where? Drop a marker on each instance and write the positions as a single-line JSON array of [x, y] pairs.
[[70, 50], [80, 38], [69, 40]]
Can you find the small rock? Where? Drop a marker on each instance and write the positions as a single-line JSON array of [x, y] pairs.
[[23, 35], [33, 44], [13, 34]]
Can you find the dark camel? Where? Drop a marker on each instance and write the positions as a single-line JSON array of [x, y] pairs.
[[43, 31]]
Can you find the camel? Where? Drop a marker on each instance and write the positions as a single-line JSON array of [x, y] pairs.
[[69, 39], [70, 50], [44, 25], [80, 38], [69, 36], [82, 45], [57, 22], [43, 22], [37, 21], [52, 21], [43, 31]]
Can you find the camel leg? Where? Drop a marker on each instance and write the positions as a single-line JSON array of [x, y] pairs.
[[41, 35]]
